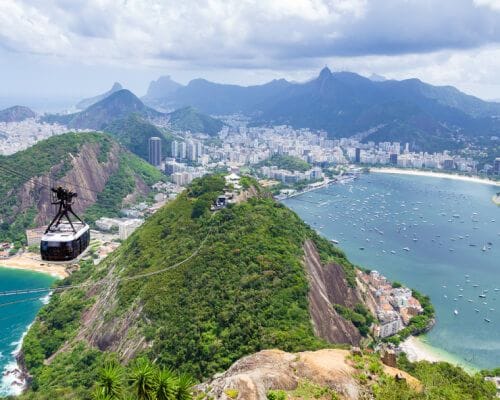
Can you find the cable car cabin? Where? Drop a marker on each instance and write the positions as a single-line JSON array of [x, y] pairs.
[[62, 243]]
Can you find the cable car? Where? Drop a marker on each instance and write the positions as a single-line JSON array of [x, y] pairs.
[[64, 241]]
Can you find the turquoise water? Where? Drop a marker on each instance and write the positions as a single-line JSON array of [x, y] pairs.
[[375, 217], [15, 318]]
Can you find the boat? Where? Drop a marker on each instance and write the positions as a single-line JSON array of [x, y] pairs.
[[484, 248], [482, 296], [393, 252], [406, 248], [455, 312], [487, 320], [334, 241]]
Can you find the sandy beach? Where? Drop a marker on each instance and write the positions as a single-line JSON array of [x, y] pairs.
[[32, 262], [416, 350], [431, 174]]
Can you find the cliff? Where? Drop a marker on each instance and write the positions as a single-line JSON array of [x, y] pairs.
[[88, 164]]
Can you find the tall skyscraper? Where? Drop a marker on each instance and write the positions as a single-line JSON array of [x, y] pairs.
[[182, 150], [155, 151], [175, 149], [357, 158]]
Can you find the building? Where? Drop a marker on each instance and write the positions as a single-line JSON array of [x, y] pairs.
[[174, 149], [496, 166], [393, 159], [390, 323], [448, 164], [357, 157], [34, 236], [126, 228], [155, 151]]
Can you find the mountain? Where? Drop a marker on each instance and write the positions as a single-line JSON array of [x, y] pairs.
[[346, 104], [94, 165], [157, 90], [133, 132], [196, 291], [214, 98], [116, 106], [242, 287], [85, 103], [16, 114], [189, 119]]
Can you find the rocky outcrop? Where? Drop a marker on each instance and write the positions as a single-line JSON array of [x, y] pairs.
[[328, 286], [253, 376]]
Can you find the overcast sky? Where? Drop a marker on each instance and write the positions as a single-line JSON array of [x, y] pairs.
[[75, 48]]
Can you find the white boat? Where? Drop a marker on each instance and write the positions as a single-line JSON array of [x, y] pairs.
[[334, 241], [455, 312], [406, 248]]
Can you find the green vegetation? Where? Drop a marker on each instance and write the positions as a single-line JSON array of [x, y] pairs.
[[189, 119], [360, 316], [245, 290], [121, 184], [289, 163], [306, 390], [47, 156], [134, 132]]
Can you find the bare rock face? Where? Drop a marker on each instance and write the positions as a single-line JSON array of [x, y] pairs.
[[253, 376], [328, 286]]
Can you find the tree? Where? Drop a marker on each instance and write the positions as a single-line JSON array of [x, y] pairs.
[[142, 379], [110, 383], [184, 387], [166, 384]]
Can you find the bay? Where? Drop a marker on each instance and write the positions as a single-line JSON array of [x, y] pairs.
[[439, 236], [16, 318]]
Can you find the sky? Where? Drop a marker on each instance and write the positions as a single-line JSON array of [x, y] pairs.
[[69, 49]]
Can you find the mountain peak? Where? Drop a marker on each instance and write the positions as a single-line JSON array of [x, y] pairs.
[[325, 73], [116, 86], [16, 114]]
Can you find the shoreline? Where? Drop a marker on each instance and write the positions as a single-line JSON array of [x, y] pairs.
[[32, 262], [418, 349], [444, 175]]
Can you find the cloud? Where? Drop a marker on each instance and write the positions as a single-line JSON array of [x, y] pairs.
[[244, 32], [443, 39]]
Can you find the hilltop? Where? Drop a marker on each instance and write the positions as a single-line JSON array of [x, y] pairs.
[[97, 167], [189, 119], [85, 103], [117, 105], [120, 108], [16, 114]]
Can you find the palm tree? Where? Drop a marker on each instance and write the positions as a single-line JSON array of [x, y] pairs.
[[110, 381], [142, 379], [166, 384], [184, 387], [100, 394]]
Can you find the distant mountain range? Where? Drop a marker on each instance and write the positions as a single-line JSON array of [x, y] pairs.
[[16, 114], [85, 103], [346, 104]]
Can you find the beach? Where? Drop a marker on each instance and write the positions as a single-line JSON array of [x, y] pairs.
[[32, 262], [417, 349], [431, 174]]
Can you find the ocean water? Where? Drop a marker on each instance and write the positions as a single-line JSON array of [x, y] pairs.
[[451, 232], [15, 320]]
